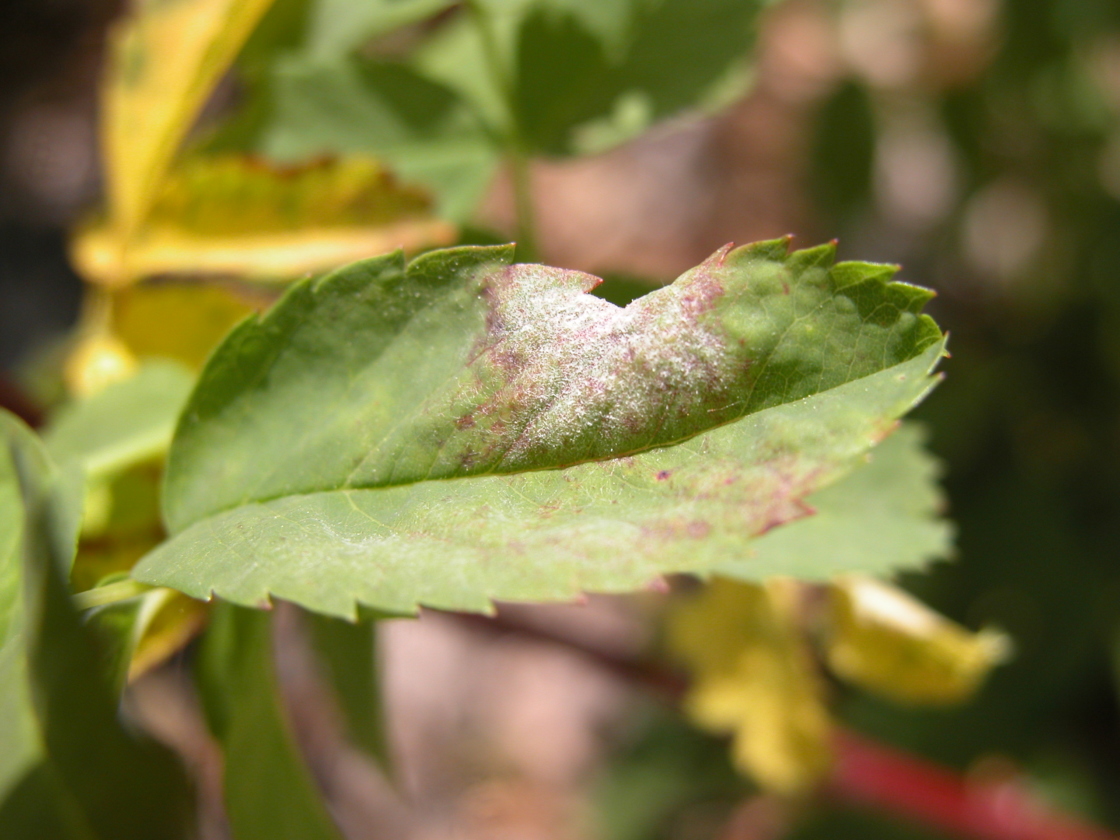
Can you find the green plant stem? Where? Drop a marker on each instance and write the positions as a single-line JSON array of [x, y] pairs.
[[516, 154], [109, 594]]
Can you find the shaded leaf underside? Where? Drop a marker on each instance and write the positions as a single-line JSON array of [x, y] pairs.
[[392, 436]]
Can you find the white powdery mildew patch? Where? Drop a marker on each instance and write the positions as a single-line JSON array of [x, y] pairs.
[[587, 379]]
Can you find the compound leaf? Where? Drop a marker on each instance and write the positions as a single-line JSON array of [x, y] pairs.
[[463, 430]]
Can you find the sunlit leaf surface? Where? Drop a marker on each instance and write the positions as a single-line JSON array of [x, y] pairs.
[[466, 430]]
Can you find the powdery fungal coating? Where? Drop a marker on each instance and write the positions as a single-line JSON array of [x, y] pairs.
[[580, 378], [560, 377]]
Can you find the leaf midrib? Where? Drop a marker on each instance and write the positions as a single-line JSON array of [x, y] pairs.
[[265, 500]]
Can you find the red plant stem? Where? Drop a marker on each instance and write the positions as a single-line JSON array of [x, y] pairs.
[[886, 779], [866, 773]]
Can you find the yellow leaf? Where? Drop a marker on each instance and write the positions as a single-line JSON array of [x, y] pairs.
[[171, 620], [236, 216], [176, 320], [752, 677], [882, 639], [163, 61], [97, 360]]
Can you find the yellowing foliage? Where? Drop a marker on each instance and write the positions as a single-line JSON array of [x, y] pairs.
[[97, 360], [164, 59], [237, 216], [753, 678], [882, 639], [176, 320]]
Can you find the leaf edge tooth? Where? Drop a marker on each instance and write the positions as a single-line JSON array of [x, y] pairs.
[[818, 256], [764, 250]]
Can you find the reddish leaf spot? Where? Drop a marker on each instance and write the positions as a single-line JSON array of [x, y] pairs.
[[698, 529], [664, 474]]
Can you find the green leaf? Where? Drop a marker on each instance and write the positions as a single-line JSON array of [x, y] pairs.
[[419, 127], [18, 743], [560, 80], [127, 422], [885, 516], [102, 780], [268, 790], [348, 652], [336, 27], [674, 55], [465, 430]]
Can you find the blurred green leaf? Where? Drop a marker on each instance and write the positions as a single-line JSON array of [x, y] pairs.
[[127, 422], [667, 769], [268, 789], [337, 27], [563, 80], [675, 55], [19, 749], [348, 653], [420, 128], [843, 152], [105, 781]]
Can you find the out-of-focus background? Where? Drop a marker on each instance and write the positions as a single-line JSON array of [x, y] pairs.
[[976, 143]]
